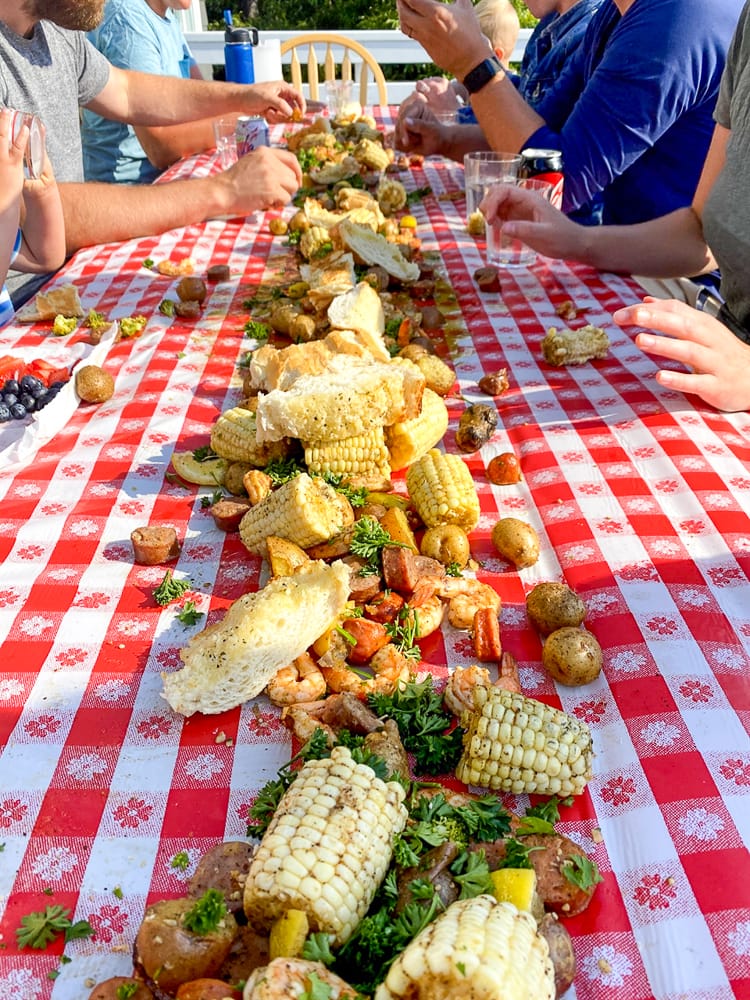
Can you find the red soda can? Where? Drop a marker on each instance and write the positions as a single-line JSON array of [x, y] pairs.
[[251, 132], [33, 160], [544, 165]]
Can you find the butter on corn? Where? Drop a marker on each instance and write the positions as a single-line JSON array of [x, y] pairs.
[[479, 949], [442, 490], [305, 511], [520, 745], [327, 848]]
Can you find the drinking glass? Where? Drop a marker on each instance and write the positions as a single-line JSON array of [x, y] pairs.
[[226, 141], [509, 251], [340, 99], [481, 171]]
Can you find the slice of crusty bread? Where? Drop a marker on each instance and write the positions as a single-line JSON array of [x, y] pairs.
[[232, 661], [373, 248], [278, 368], [348, 398], [362, 311], [62, 301]]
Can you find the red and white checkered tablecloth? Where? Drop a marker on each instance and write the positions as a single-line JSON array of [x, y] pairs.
[[641, 499]]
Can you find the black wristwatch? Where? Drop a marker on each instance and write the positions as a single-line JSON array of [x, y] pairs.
[[481, 75]]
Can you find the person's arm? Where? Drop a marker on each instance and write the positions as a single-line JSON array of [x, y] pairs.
[[42, 225], [451, 35], [108, 213], [718, 362], [670, 246], [144, 99]]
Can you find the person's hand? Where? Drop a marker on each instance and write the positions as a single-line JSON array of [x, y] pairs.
[[719, 361], [265, 178], [275, 101], [419, 131], [527, 216], [450, 33], [11, 161], [437, 92]]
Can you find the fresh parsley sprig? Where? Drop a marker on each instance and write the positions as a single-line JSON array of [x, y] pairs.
[[40, 928], [207, 913], [170, 589], [189, 613]]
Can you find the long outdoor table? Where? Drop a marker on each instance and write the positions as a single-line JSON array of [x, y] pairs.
[[640, 497]]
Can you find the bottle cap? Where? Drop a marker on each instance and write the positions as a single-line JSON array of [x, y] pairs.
[[241, 36]]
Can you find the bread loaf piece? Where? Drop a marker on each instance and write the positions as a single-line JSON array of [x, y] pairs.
[[372, 248], [361, 310], [232, 661], [348, 398]]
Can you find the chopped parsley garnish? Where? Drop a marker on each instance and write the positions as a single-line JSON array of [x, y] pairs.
[[417, 194], [214, 498], [180, 861], [471, 871], [259, 331], [39, 929], [207, 913], [126, 990], [453, 569], [149, 263], [189, 613], [281, 470], [170, 589], [317, 948], [581, 871], [204, 454], [404, 632], [368, 541], [356, 495]]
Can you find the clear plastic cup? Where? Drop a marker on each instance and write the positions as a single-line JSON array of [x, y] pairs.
[[481, 171], [226, 141], [509, 251], [340, 99]]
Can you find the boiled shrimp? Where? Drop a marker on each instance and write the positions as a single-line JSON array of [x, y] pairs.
[[289, 978], [389, 669], [459, 691], [302, 680], [303, 724], [466, 596], [429, 616]]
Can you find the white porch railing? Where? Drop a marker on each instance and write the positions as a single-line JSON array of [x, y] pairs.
[[388, 48]]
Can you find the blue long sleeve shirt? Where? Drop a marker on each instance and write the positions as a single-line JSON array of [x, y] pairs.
[[553, 42], [632, 110]]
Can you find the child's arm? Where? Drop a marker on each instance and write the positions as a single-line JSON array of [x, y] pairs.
[[43, 244], [11, 182]]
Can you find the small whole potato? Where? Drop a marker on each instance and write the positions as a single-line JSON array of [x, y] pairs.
[[516, 541], [447, 543], [191, 289], [476, 426], [572, 656], [554, 605]]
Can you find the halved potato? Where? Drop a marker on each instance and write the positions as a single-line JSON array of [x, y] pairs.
[[208, 473], [284, 556]]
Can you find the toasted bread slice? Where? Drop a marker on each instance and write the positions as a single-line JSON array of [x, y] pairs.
[[62, 301], [362, 311], [232, 661]]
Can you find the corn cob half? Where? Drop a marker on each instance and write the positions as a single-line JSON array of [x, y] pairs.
[[328, 846], [479, 949], [442, 490], [408, 440], [234, 437], [517, 744], [304, 511], [363, 455]]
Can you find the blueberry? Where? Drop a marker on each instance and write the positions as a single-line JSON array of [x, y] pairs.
[[4, 413], [28, 401], [30, 382], [9, 398], [57, 386], [43, 399], [11, 386], [37, 391], [17, 411]]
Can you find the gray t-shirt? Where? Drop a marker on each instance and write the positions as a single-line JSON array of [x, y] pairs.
[[51, 74], [726, 215]]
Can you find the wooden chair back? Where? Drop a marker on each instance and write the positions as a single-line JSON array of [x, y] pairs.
[[365, 61]]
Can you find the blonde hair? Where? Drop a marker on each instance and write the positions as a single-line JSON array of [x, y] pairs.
[[499, 22]]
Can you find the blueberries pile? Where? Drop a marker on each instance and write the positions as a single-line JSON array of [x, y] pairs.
[[25, 395]]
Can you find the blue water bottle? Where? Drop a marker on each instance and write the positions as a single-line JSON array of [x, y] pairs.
[[238, 51]]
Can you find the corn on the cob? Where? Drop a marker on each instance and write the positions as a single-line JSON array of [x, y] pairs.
[[442, 490], [304, 510], [410, 439], [371, 154], [574, 347], [479, 949], [314, 241], [363, 455], [234, 437], [517, 744], [327, 848]]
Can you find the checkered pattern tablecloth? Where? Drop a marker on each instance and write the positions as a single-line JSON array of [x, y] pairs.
[[641, 500]]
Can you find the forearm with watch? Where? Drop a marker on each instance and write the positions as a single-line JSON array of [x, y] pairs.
[[506, 119]]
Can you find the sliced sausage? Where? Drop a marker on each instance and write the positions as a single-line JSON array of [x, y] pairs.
[[154, 545], [369, 637], [399, 569], [227, 513], [384, 607], [361, 588]]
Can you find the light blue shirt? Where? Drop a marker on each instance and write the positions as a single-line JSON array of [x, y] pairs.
[[132, 36]]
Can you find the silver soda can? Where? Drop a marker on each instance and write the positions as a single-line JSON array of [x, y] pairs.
[[33, 160], [251, 132]]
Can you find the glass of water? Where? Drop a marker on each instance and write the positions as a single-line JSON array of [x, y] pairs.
[[226, 141], [481, 171]]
